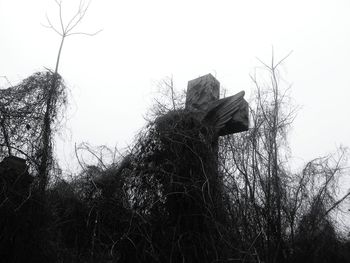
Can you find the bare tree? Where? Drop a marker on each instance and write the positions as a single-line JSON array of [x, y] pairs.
[[167, 98], [268, 200], [30, 111], [64, 30]]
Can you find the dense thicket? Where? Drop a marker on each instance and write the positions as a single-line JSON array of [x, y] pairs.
[[175, 197], [28, 109]]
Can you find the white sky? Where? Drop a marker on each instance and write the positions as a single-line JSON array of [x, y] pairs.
[[113, 76]]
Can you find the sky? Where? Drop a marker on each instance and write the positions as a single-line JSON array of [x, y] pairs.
[[113, 76]]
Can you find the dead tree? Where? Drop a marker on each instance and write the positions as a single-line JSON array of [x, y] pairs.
[[267, 200], [64, 30]]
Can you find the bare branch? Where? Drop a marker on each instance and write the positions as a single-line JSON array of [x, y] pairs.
[[60, 14], [336, 204], [8, 81], [283, 59], [67, 29], [84, 33], [80, 14], [50, 26]]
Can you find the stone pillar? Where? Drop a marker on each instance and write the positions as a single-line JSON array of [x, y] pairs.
[[201, 92]]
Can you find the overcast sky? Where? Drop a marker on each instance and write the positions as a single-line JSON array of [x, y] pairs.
[[112, 76]]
